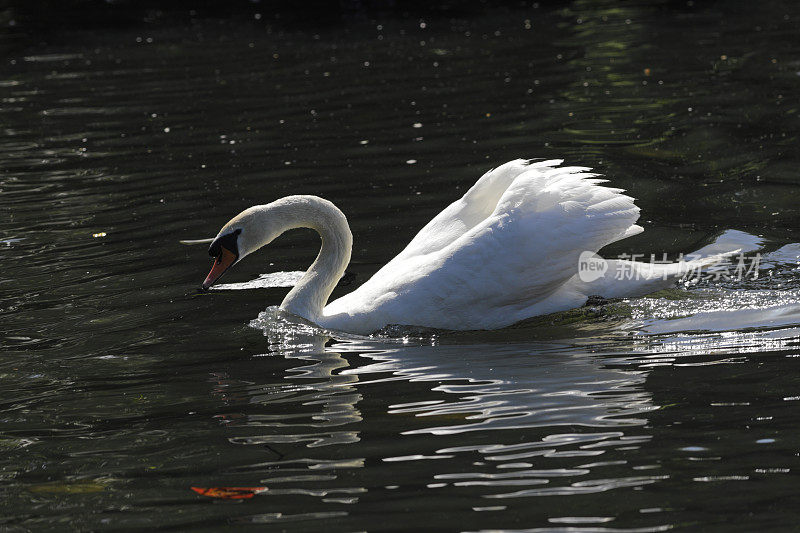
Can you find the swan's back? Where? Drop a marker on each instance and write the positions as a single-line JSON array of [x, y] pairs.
[[501, 253]]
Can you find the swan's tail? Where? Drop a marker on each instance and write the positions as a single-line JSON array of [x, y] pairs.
[[630, 279]]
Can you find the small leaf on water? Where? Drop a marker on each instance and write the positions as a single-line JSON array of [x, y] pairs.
[[229, 493]]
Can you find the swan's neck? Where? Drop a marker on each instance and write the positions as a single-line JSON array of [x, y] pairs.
[[309, 296]]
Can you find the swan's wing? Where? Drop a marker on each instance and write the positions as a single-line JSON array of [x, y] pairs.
[[502, 267], [471, 209], [530, 245]]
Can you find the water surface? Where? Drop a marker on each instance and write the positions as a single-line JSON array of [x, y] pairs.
[[132, 401]]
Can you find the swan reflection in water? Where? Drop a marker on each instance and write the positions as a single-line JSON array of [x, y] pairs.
[[349, 419], [542, 412]]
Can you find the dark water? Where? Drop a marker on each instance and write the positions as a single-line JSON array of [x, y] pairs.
[[123, 387]]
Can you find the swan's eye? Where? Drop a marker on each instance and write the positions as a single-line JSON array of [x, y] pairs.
[[229, 241]]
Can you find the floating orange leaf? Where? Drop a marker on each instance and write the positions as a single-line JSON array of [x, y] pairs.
[[229, 493]]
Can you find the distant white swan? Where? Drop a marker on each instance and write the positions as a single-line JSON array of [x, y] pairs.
[[506, 251]]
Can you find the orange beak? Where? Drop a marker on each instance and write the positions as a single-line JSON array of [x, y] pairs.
[[221, 264]]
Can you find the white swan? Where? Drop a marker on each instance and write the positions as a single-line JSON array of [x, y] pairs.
[[506, 251]]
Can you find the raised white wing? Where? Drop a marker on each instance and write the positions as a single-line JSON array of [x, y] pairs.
[[471, 209], [492, 257]]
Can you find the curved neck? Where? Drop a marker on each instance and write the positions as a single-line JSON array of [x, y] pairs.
[[309, 296]]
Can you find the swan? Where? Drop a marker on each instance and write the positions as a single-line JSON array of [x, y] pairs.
[[508, 250]]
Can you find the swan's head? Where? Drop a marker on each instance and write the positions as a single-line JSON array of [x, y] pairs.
[[242, 235], [225, 251]]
